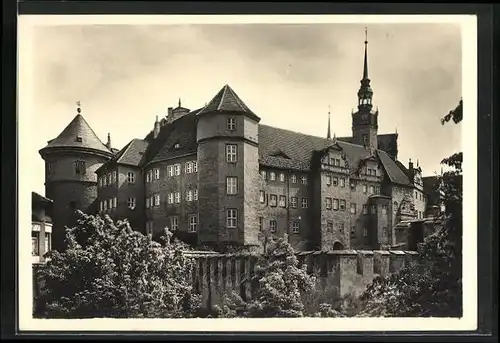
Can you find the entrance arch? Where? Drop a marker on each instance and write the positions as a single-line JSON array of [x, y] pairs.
[[338, 246]]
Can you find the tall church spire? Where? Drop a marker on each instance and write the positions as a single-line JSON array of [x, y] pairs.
[[365, 92], [328, 134]]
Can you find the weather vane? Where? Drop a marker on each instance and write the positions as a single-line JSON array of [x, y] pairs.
[[366, 35], [78, 104]]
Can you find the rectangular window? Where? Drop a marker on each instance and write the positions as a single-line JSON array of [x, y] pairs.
[[273, 200], [365, 209], [263, 174], [108, 177], [365, 188], [131, 203], [131, 177], [372, 189], [174, 223], [340, 227], [105, 204], [328, 180], [101, 206], [150, 175], [231, 185], [384, 232], [195, 166], [170, 199], [329, 226], [157, 199], [304, 202], [293, 202], [170, 171], [48, 242], [384, 209], [353, 231], [110, 204], [80, 167], [353, 186], [177, 169], [335, 204], [365, 232], [193, 223], [416, 195], [189, 167], [353, 208], [335, 181], [195, 195], [282, 201], [272, 226], [272, 176], [115, 177], [261, 223], [295, 227], [328, 203], [282, 177], [189, 195], [303, 180], [342, 204], [232, 218], [149, 227], [342, 182], [293, 178], [231, 124], [231, 153], [157, 173], [374, 209], [337, 162], [177, 197], [262, 197], [34, 244]]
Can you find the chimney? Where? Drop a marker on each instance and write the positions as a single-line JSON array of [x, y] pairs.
[[410, 166], [170, 115], [108, 144], [156, 130]]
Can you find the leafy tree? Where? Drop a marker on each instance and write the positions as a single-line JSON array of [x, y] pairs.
[[110, 270], [432, 286], [280, 286]]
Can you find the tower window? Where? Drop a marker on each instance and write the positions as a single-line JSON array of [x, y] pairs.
[[328, 203], [131, 177], [293, 202], [295, 227], [231, 124], [335, 204], [303, 180], [232, 218], [232, 185], [304, 202], [282, 201], [189, 195], [262, 197], [231, 153], [293, 178], [79, 139], [365, 139], [131, 203], [273, 200], [272, 225], [174, 223], [193, 223], [80, 167]]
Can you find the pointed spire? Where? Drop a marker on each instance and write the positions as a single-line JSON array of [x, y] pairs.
[[365, 65], [179, 102], [156, 119], [328, 134]]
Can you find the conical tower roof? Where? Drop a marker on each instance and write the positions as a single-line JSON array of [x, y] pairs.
[[79, 135], [226, 100]]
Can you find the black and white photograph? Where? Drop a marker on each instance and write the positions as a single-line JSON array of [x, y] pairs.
[[306, 169]]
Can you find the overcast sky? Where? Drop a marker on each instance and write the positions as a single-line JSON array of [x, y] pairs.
[[288, 74]]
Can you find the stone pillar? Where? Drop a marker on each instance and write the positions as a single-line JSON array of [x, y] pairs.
[[205, 281], [381, 261], [397, 261]]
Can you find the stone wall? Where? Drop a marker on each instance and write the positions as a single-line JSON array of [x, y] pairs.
[[345, 272]]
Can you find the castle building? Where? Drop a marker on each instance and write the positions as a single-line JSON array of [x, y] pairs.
[[218, 177]]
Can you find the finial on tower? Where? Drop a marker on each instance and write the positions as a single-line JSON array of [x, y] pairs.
[[365, 65], [366, 35], [417, 162], [328, 134], [179, 102], [78, 108]]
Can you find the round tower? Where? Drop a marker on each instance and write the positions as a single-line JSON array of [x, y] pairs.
[[228, 172], [71, 160]]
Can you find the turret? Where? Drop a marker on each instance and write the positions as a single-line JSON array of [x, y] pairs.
[[228, 174], [71, 160]]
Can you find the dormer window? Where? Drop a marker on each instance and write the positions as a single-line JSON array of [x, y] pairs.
[[177, 146], [231, 124], [79, 139]]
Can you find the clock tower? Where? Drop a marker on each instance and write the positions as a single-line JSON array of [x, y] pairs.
[[365, 120]]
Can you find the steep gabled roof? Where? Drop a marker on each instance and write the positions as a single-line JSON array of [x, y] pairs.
[[226, 100], [132, 154], [300, 148], [387, 142], [182, 132], [78, 134]]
